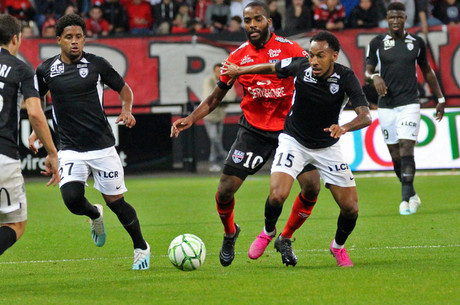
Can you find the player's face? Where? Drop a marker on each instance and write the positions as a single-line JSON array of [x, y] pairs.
[[71, 41], [322, 59], [257, 26], [396, 21]]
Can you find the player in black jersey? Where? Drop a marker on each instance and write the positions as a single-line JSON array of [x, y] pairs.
[[16, 76], [396, 54], [76, 81], [311, 134]]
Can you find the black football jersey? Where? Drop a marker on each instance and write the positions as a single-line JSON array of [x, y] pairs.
[[77, 93], [396, 60], [16, 81], [317, 103]]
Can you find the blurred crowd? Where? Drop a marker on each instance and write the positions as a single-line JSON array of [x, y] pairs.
[[165, 17]]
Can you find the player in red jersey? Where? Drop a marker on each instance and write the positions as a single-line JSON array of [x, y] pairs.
[[265, 105]]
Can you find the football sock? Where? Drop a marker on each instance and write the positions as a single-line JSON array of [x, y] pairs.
[[272, 213], [7, 238], [128, 218], [225, 210], [301, 210], [407, 177], [73, 194], [397, 167], [344, 228]]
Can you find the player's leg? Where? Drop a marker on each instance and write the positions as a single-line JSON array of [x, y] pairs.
[[10, 233], [347, 199], [109, 180]]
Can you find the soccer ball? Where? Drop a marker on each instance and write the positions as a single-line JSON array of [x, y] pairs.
[[187, 252]]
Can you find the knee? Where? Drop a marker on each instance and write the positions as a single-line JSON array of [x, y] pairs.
[[73, 194], [224, 194], [311, 191], [19, 228], [350, 210], [278, 196]]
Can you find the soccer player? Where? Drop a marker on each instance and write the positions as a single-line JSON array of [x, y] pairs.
[[311, 134], [76, 81], [16, 76], [395, 54], [265, 105]]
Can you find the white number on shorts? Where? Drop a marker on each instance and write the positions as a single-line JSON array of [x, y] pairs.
[[288, 162], [255, 161], [69, 172]]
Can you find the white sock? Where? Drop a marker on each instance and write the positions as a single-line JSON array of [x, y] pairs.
[[270, 233], [337, 246]]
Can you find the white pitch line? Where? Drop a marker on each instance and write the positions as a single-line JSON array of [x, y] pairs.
[[352, 248]]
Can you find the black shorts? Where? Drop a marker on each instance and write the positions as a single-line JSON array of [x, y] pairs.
[[250, 151]]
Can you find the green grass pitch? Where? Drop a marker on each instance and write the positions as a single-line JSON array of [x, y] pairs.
[[398, 259]]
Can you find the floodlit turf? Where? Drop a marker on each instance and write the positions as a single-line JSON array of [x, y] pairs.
[[398, 259]]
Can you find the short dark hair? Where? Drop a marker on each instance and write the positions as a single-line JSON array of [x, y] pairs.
[[69, 20], [260, 4], [327, 36], [9, 26], [396, 6]]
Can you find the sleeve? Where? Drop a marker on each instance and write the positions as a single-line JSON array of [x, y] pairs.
[[422, 58], [354, 90], [290, 66], [371, 56], [28, 88], [109, 76], [298, 51], [42, 86]]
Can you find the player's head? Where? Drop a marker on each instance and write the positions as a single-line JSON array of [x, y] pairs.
[[71, 35], [257, 23], [396, 17], [10, 33], [323, 52]]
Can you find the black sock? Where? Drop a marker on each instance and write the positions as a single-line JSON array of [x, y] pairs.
[[7, 238], [128, 218], [73, 194], [407, 177], [344, 228], [397, 167], [272, 212]]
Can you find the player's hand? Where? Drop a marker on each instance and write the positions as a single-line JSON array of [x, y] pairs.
[[380, 86], [51, 169], [180, 125], [439, 111], [336, 130], [32, 139], [229, 69], [126, 118]]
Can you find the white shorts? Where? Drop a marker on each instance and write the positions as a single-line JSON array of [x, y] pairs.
[[13, 201], [400, 123], [291, 157], [104, 164]]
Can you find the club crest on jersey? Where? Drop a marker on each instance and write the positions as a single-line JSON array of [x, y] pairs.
[[410, 46], [237, 156], [334, 88], [246, 59], [83, 72], [274, 53]]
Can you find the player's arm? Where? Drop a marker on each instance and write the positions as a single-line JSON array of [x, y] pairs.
[[39, 124], [432, 81], [378, 81], [206, 106], [363, 119], [126, 97], [233, 71]]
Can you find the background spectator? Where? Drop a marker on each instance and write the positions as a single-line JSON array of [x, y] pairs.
[[27, 31], [21, 9], [139, 17], [200, 9], [298, 17], [164, 14], [366, 15], [448, 11], [95, 24], [277, 19], [49, 31], [116, 15], [236, 8], [235, 24], [217, 16], [330, 15], [182, 19], [70, 9], [424, 15]]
